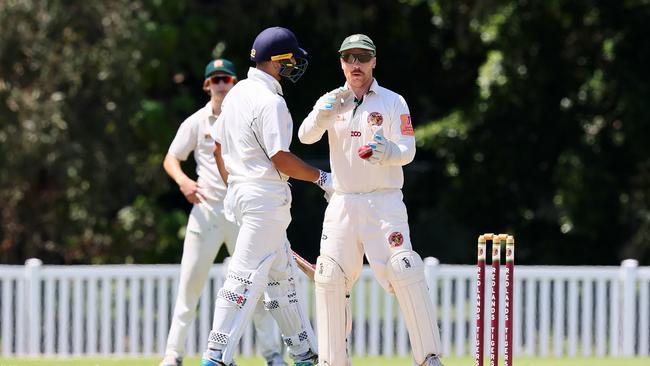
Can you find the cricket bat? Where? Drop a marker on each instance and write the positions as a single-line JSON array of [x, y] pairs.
[[304, 265]]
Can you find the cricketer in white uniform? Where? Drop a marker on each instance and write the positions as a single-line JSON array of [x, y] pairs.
[[366, 213], [207, 227], [253, 134]]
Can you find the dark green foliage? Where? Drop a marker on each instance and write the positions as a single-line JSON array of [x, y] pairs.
[[531, 118]]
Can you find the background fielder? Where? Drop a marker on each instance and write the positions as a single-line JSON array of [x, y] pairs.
[[207, 228], [366, 213]]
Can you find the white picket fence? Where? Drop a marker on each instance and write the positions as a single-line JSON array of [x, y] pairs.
[[125, 310]]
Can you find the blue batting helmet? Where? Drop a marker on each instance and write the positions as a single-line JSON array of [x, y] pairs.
[[280, 44]]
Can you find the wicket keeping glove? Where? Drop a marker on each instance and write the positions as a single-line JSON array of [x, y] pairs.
[[382, 149], [333, 103], [326, 183]]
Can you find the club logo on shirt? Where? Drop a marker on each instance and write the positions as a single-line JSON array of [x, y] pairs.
[[375, 119], [355, 133], [395, 239]]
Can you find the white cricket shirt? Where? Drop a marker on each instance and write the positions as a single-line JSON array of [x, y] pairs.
[[194, 135], [380, 108], [254, 125]]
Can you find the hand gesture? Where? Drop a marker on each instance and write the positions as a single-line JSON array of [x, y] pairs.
[[189, 188], [331, 104]]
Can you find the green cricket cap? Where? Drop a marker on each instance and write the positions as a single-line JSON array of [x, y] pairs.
[[358, 41], [220, 65]]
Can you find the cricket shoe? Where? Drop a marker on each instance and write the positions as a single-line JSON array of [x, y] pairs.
[[275, 360], [308, 358], [172, 360], [213, 357], [432, 360]]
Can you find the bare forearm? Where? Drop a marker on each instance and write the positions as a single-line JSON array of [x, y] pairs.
[[173, 168], [187, 186], [220, 164], [293, 166]]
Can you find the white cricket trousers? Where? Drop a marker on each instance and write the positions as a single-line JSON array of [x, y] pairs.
[[204, 235], [263, 213]]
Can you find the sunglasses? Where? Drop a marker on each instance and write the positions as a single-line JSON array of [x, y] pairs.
[[361, 57], [226, 79]]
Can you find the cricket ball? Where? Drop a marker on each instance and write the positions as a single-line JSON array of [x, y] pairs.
[[365, 152]]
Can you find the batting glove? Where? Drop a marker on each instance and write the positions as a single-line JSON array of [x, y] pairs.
[[382, 148], [326, 183], [336, 102]]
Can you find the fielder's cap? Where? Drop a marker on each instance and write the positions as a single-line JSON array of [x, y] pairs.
[[358, 41], [220, 65], [276, 43]]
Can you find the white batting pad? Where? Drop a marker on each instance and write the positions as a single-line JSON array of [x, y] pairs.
[[331, 313], [282, 301], [406, 275], [235, 304]]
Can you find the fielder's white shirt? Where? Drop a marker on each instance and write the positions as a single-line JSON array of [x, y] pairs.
[[380, 108], [194, 135], [254, 125]]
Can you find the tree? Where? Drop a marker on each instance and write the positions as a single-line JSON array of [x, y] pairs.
[[551, 149], [70, 89], [530, 117]]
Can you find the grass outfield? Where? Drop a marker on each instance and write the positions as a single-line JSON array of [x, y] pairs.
[[366, 361]]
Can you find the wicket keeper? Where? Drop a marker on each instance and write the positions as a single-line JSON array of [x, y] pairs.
[[370, 138]]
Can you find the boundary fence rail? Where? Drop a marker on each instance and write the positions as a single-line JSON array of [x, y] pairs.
[[561, 311]]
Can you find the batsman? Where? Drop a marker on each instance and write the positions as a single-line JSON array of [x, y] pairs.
[[370, 138]]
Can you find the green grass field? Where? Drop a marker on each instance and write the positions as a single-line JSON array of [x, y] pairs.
[[367, 361]]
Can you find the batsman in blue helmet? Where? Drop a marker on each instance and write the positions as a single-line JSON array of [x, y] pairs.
[[252, 135], [207, 228]]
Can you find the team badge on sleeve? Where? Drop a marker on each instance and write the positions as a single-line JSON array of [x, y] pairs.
[[395, 239], [375, 119], [406, 126]]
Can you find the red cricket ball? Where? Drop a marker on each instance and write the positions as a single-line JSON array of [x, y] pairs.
[[365, 152]]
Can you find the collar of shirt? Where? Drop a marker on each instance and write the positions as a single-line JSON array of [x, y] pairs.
[[374, 87], [208, 114], [266, 79]]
